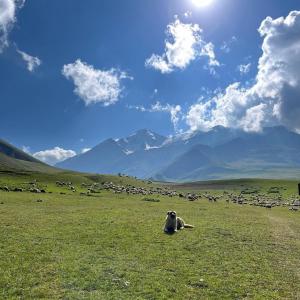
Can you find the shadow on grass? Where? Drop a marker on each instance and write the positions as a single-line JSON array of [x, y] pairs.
[[170, 232]]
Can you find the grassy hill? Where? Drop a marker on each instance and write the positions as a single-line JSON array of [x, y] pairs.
[[68, 245], [14, 159], [13, 152], [9, 163]]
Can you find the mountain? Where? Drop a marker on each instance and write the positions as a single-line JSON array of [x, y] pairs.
[[218, 153], [141, 140], [14, 159], [126, 155], [198, 159]]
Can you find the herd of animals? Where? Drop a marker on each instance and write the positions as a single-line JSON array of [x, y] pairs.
[[273, 198]]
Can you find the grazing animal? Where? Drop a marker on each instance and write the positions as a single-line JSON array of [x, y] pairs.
[[174, 223]]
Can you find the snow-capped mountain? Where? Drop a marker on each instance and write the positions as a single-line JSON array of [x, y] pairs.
[[218, 153]]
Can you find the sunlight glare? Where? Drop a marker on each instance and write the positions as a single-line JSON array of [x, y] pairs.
[[201, 3]]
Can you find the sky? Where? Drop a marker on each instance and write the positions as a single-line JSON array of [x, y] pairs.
[[73, 72]]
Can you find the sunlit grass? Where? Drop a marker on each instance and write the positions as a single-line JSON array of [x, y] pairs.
[[112, 247]]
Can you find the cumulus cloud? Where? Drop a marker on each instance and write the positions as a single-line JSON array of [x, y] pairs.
[[244, 69], [274, 98], [254, 118], [175, 111], [55, 155], [8, 9], [183, 45], [223, 109], [31, 61], [93, 85]]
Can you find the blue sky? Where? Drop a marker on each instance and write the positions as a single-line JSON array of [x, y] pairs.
[[113, 40]]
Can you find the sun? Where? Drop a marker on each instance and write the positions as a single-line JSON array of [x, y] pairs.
[[201, 3]]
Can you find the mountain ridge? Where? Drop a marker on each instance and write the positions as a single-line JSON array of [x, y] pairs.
[[199, 155]]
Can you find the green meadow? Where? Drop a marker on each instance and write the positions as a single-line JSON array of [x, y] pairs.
[[66, 245]]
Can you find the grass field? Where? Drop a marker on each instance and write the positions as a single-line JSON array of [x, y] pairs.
[[111, 246]]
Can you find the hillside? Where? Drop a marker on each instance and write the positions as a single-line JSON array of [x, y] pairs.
[[14, 159], [13, 152]]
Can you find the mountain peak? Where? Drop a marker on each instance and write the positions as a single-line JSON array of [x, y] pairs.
[[219, 128], [141, 140], [145, 132], [142, 131]]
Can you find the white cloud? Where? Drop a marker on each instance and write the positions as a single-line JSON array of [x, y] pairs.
[[159, 63], [55, 155], [93, 85], [183, 45], [187, 14], [8, 9], [26, 149], [274, 98], [208, 50], [244, 69], [222, 109], [175, 111], [31, 61], [84, 150], [254, 118]]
